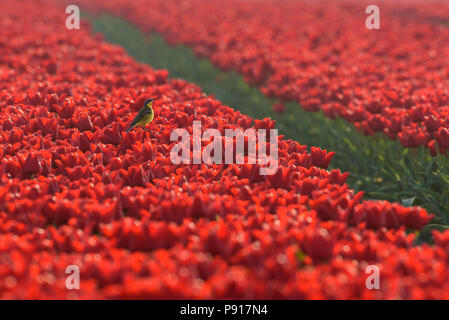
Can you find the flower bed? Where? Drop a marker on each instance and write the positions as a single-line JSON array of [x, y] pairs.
[[393, 80], [75, 189]]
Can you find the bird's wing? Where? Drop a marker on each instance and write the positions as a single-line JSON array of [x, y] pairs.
[[142, 113]]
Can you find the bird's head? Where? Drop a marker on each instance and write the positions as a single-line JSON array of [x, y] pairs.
[[149, 102]]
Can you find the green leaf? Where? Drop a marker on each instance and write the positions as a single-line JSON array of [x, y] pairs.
[[408, 202]]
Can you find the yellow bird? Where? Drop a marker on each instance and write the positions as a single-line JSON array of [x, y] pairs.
[[144, 116]]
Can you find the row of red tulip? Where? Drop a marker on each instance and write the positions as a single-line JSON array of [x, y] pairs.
[[393, 80], [76, 189]]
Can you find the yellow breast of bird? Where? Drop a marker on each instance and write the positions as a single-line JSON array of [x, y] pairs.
[[146, 119]]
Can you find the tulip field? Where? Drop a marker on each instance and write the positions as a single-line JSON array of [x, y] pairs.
[[362, 177]]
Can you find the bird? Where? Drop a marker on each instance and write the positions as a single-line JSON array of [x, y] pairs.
[[144, 116]]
